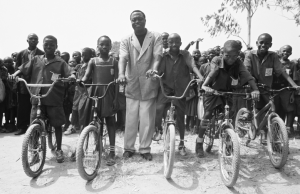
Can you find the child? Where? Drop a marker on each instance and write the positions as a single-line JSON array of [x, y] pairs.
[[10, 98], [65, 56], [283, 106], [224, 70], [44, 69], [57, 52], [77, 120], [73, 63], [77, 56], [107, 106], [176, 65], [165, 36], [263, 64]]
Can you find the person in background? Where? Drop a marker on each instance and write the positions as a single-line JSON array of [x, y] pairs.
[[65, 56], [72, 63], [164, 37], [3, 76], [24, 105], [77, 56], [57, 52]]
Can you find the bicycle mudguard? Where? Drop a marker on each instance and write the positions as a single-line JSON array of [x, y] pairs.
[[225, 125]]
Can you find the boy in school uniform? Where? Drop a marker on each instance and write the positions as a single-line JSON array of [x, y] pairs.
[[176, 65], [263, 65], [283, 106], [224, 74], [45, 69]]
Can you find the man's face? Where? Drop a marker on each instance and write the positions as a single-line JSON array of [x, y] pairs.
[[138, 21], [32, 40], [263, 44], [286, 51], [104, 45], [49, 46], [174, 44], [230, 55], [77, 56]]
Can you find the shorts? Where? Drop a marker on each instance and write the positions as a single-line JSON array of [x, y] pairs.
[[55, 114]]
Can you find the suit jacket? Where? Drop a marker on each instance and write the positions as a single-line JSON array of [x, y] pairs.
[[140, 60], [22, 58]]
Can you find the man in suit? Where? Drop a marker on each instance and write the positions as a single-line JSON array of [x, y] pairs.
[[24, 105], [142, 50]]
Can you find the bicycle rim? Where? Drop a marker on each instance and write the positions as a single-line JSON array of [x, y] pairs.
[[244, 127], [33, 151], [52, 144], [229, 157], [88, 153], [169, 150], [278, 144]]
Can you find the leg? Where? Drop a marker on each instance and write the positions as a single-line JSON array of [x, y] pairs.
[[23, 113], [147, 112], [158, 119], [111, 129], [131, 126], [180, 124]]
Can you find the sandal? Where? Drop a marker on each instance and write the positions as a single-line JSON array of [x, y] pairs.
[[111, 158]]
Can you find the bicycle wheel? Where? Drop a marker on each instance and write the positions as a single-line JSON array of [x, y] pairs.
[[88, 153], [33, 151], [244, 127], [169, 150], [209, 136], [278, 143], [52, 144], [229, 157]]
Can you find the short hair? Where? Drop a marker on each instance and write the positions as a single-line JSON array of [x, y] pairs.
[[232, 44], [267, 35], [51, 37], [138, 11], [89, 50], [104, 36]]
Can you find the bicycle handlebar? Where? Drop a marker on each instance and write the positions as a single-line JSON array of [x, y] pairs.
[[96, 97], [50, 86], [268, 89], [173, 97]]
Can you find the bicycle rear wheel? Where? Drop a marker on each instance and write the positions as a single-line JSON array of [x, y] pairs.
[[52, 144], [88, 153], [244, 127], [33, 151], [169, 150], [278, 143], [209, 135], [229, 157]]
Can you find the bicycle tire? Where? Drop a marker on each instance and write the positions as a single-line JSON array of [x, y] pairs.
[[209, 136], [169, 150], [284, 143], [229, 181], [80, 152], [33, 135], [52, 144], [251, 132]]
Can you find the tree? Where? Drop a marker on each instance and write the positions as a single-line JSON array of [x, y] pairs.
[[290, 6], [222, 21]]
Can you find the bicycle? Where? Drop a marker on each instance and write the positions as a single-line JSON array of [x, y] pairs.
[[229, 148], [90, 144], [34, 142], [248, 127], [169, 126]]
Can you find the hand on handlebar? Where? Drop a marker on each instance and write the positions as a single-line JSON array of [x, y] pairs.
[[12, 78], [151, 74], [255, 95], [72, 77], [208, 90], [297, 88], [121, 79]]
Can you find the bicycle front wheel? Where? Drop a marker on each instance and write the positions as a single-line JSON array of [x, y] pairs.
[[52, 144], [278, 143], [33, 151], [88, 153], [229, 157], [169, 150]]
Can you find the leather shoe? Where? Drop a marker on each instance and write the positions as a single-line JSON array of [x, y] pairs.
[[127, 154], [20, 132], [147, 156]]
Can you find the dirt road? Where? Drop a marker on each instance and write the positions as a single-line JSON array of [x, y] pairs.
[[190, 175]]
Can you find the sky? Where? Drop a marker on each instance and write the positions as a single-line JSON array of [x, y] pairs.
[[78, 24]]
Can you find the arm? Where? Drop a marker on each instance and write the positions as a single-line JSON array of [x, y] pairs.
[[124, 57], [189, 45], [191, 64], [88, 71]]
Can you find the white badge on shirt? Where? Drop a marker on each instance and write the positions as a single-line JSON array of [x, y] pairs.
[[234, 82], [288, 71], [55, 76], [269, 71]]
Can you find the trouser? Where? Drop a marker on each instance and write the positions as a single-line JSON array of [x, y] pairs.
[[160, 109], [24, 109], [140, 116], [121, 117]]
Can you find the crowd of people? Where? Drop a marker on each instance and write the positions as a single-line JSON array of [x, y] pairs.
[[140, 106]]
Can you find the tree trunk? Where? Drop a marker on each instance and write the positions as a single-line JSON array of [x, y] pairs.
[[249, 23]]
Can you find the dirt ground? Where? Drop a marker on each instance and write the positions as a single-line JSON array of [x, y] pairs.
[[135, 175]]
